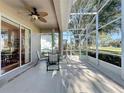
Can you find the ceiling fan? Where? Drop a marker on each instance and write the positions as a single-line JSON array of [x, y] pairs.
[[35, 15]]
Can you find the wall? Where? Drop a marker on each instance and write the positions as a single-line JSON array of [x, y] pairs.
[[12, 14]]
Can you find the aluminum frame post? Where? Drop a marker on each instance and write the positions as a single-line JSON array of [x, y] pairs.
[[97, 38]]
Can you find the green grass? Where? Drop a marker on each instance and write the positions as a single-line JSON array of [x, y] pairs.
[[110, 50]]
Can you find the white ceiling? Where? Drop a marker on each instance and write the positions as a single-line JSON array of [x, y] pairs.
[[41, 5], [58, 11]]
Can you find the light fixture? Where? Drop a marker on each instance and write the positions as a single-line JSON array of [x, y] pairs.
[[34, 17]]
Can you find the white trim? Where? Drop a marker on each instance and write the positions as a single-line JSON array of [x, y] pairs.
[[74, 34], [76, 29]]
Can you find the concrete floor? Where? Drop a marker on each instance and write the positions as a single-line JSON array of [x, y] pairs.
[[74, 77]]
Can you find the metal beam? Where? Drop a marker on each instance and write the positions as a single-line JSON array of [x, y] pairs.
[[87, 13], [77, 29], [97, 38], [108, 23]]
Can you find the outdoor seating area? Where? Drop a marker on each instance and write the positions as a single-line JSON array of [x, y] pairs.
[[61, 46]]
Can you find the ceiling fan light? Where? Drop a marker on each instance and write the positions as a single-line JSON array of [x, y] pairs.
[[34, 17]]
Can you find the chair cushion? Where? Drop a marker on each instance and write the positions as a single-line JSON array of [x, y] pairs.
[[53, 58]]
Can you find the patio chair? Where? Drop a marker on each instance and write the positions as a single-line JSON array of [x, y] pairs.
[[53, 61], [40, 58]]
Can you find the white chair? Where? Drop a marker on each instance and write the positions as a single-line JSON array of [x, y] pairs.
[[40, 58]]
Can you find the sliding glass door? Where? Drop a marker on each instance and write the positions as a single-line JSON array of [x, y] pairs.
[[10, 45], [15, 43]]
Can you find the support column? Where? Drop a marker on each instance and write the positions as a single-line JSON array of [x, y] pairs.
[[97, 38], [53, 39], [61, 42], [122, 28]]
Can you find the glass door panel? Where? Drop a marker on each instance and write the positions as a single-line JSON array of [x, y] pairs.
[[10, 45], [25, 45]]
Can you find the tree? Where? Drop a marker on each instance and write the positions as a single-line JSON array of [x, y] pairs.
[[110, 12]]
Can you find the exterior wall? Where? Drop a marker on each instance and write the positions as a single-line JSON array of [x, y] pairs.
[[35, 45], [13, 15]]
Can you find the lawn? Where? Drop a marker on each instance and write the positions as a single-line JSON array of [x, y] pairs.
[[109, 50]]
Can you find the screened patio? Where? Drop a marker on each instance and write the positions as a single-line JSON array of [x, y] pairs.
[[89, 42]]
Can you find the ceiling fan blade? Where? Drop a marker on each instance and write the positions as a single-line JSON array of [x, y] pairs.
[[42, 19], [27, 6], [43, 14]]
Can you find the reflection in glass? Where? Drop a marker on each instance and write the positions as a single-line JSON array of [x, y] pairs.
[[10, 42], [25, 46]]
